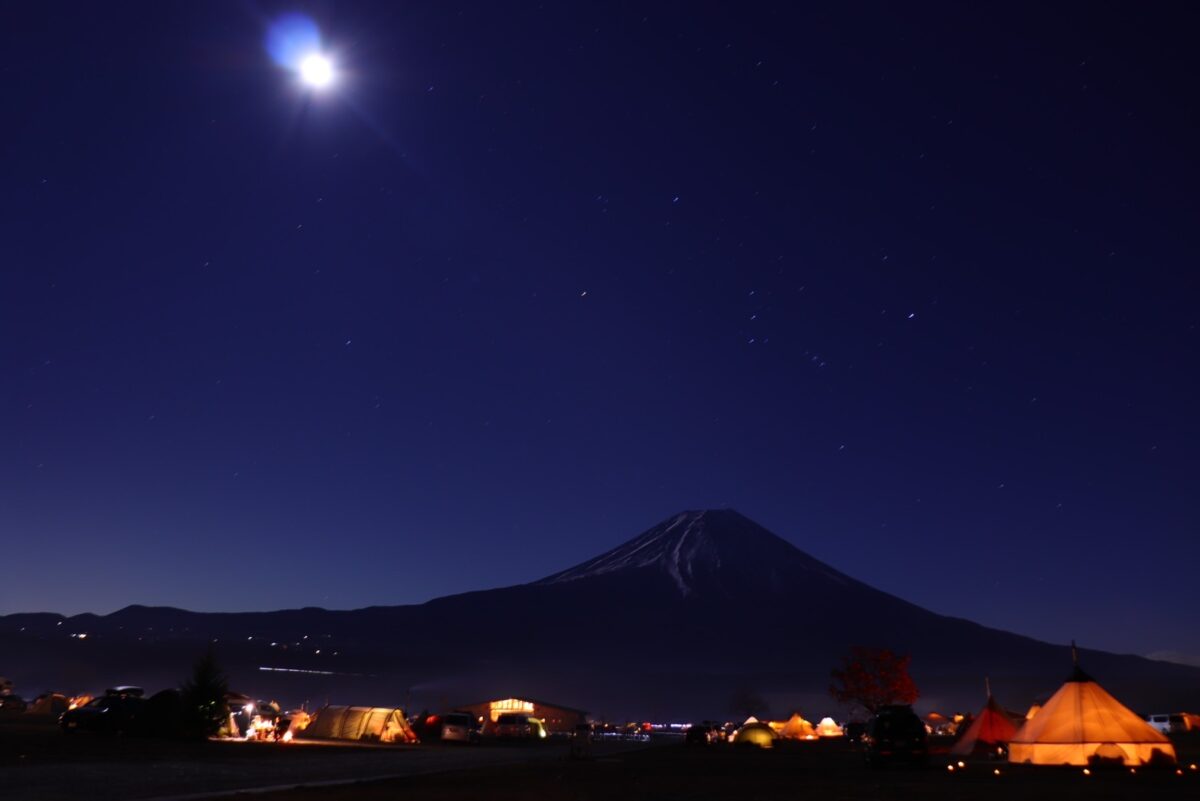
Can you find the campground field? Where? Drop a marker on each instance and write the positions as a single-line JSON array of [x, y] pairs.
[[821, 770], [39, 762]]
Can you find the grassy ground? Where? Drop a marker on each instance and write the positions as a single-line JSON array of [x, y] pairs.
[[821, 770], [39, 762]]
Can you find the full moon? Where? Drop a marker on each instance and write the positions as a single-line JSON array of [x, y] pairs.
[[316, 70]]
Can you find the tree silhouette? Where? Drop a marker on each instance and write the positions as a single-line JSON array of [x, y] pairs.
[[873, 678], [204, 707]]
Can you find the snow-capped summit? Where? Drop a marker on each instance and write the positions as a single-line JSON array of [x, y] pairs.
[[711, 549]]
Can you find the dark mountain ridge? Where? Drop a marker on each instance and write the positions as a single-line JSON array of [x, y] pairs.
[[703, 615]]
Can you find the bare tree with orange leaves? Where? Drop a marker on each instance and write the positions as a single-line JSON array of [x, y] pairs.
[[873, 678]]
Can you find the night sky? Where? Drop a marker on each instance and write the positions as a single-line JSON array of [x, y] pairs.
[[914, 287]]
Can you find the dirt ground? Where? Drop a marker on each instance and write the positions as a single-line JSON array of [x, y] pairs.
[[39, 762], [821, 770]]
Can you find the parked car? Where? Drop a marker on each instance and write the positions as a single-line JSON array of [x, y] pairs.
[[12, 704], [895, 735], [1168, 723], [511, 726], [452, 727], [108, 713], [460, 727], [162, 715]]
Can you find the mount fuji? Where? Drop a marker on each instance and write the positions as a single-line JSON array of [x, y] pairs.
[[707, 614]]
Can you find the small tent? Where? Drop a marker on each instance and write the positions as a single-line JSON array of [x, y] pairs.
[[828, 728], [992, 729], [759, 734], [53, 704], [1082, 722], [378, 724], [795, 728], [937, 723]]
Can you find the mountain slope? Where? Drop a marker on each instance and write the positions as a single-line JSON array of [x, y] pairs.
[[705, 614], [708, 550]]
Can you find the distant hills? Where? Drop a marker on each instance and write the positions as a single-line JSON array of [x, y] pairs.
[[706, 614]]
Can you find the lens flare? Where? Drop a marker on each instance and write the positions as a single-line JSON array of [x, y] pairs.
[[291, 38], [294, 42]]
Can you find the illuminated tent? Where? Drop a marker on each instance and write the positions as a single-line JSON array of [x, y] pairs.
[[49, 704], [378, 724], [755, 733], [1082, 722], [993, 728], [829, 728], [937, 723], [795, 728]]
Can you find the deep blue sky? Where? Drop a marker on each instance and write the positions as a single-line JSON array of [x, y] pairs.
[[916, 288]]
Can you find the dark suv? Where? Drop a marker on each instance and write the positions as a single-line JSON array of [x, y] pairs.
[[112, 713], [895, 734]]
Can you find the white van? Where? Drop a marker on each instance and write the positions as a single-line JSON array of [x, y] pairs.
[[1168, 723]]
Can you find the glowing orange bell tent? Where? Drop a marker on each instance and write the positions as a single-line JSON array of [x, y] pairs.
[[795, 728], [992, 729], [1082, 722]]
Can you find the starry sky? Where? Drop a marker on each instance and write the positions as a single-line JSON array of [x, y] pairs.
[[915, 288]]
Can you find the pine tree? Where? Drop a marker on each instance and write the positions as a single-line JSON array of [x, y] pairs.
[[204, 698]]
